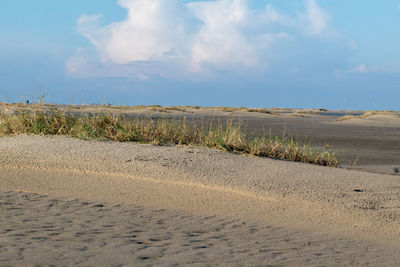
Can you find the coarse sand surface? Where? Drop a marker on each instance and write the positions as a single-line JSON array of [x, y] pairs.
[[70, 202]]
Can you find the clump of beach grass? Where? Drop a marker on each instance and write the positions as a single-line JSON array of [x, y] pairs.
[[366, 115], [161, 132], [374, 112], [347, 117], [258, 110]]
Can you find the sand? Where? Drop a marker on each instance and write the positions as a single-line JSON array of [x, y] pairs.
[[370, 143], [109, 203], [43, 230], [380, 120]]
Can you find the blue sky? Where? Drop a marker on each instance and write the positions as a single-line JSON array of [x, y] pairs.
[[266, 53]]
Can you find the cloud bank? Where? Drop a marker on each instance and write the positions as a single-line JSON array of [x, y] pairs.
[[171, 38]]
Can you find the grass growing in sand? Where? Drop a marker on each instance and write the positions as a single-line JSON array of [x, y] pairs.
[[148, 108], [366, 115], [161, 132]]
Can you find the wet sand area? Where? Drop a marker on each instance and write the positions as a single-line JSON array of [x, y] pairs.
[[70, 202]]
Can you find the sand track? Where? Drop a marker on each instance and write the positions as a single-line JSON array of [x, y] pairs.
[[353, 207]]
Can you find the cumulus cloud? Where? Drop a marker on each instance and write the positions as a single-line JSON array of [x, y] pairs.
[[174, 37], [221, 39], [152, 31]]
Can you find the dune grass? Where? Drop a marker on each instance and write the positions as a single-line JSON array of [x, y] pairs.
[[367, 114], [374, 112], [144, 129], [347, 117], [140, 108]]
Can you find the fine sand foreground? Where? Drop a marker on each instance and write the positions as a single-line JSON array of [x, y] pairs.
[[65, 201]]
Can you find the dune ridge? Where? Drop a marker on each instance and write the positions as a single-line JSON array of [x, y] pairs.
[[314, 192], [338, 203]]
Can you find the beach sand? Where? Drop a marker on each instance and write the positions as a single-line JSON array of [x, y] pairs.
[[66, 201]]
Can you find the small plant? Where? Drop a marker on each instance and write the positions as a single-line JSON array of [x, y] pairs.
[[259, 110], [347, 117]]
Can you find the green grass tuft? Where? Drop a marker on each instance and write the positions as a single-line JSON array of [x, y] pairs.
[[161, 132]]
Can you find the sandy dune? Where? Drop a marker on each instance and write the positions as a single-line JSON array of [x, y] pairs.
[[383, 120], [239, 209]]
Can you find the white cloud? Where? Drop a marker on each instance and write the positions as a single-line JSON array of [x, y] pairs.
[[272, 15], [174, 37], [221, 39], [89, 23], [76, 63], [152, 31], [316, 19], [360, 69]]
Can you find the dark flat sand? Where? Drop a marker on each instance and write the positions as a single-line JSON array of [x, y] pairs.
[[70, 202], [371, 144]]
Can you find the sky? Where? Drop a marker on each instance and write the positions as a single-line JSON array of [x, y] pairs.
[[256, 53]]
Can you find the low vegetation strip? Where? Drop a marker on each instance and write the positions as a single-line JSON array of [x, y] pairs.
[[161, 132], [368, 114]]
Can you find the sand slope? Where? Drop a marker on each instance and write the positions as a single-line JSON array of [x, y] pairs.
[[334, 208], [380, 120]]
